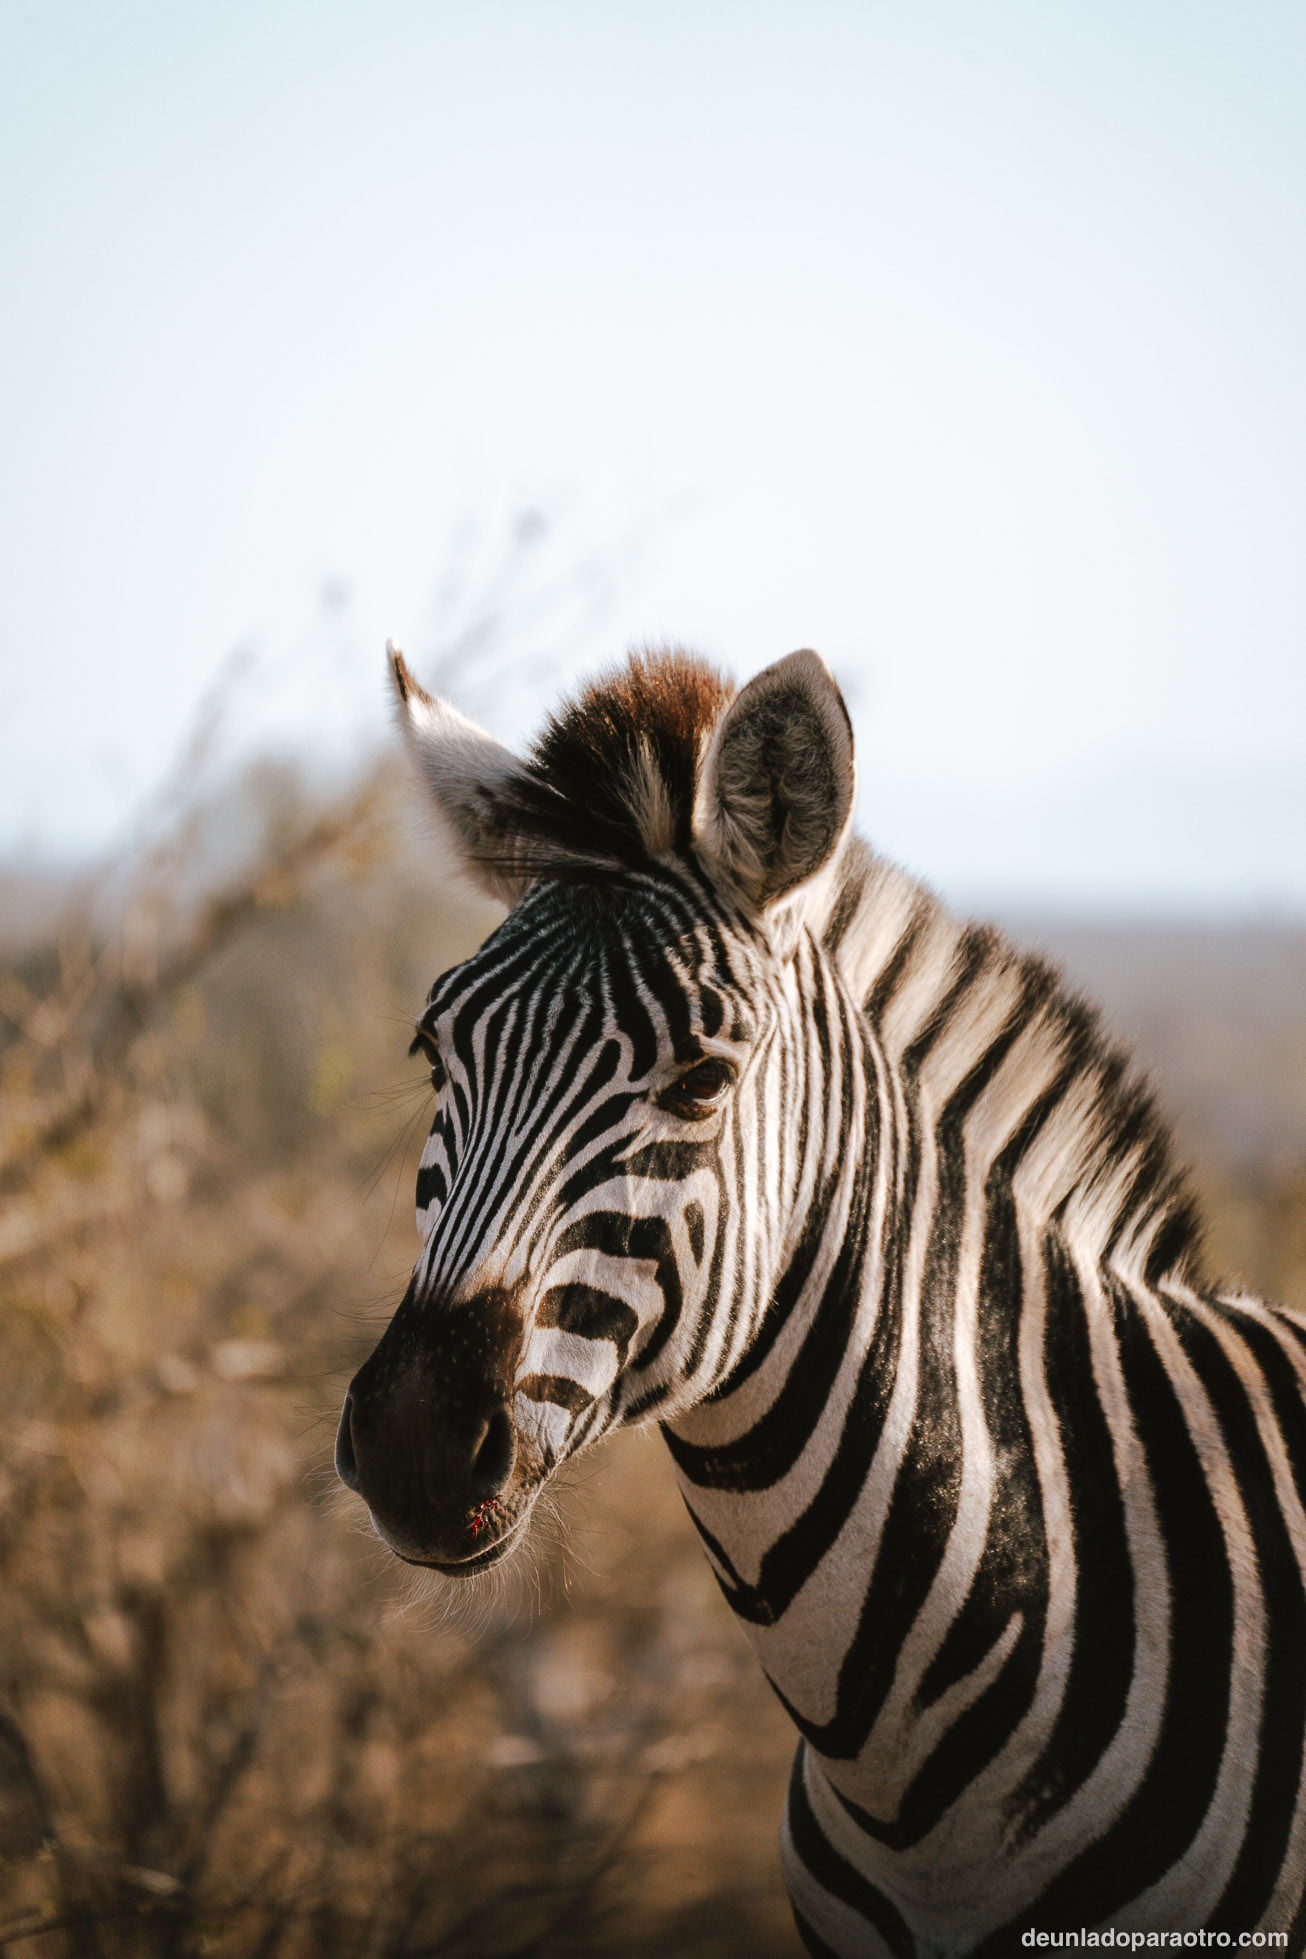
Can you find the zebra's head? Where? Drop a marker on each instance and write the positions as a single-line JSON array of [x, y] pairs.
[[603, 1201]]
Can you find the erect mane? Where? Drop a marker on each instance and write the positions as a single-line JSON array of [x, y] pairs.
[[1118, 1186], [610, 782], [1103, 1168]]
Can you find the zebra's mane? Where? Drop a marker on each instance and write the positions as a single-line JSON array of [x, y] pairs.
[[1102, 1166], [609, 786]]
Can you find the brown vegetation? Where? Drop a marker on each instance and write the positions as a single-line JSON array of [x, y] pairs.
[[227, 1723]]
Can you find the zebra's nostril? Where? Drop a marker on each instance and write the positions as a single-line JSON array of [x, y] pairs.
[[346, 1463], [495, 1456]]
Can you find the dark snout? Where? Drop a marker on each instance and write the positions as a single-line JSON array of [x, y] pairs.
[[427, 1437]]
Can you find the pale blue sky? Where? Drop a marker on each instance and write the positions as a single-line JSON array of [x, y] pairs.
[[968, 338]]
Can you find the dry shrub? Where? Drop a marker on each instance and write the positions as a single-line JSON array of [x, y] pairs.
[[227, 1724]]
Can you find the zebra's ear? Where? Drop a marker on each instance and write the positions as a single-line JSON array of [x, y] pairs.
[[467, 775], [775, 792]]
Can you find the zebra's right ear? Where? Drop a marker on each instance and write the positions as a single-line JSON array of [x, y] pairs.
[[776, 788], [467, 775]]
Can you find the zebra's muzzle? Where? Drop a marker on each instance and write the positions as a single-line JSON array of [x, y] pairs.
[[485, 1554], [438, 1496], [427, 1437]]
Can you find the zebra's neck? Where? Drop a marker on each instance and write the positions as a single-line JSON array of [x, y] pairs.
[[985, 1131]]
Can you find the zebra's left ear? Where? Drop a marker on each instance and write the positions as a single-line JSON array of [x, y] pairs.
[[469, 777], [775, 792]]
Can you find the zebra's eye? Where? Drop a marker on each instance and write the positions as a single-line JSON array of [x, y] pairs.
[[425, 1043], [699, 1090]]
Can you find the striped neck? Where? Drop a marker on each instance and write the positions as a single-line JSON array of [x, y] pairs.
[[777, 1421]]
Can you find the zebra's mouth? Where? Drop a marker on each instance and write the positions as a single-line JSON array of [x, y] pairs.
[[479, 1560]]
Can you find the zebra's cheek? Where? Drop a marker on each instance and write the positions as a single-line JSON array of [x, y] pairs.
[[592, 1365]]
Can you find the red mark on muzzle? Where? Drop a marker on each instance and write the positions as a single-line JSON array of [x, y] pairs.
[[483, 1513]]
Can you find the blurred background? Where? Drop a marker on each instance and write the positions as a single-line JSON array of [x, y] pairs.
[[960, 342]]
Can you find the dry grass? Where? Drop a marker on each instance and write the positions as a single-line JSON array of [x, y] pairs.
[[227, 1723]]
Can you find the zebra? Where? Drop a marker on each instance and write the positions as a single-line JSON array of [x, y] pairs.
[[738, 1130]]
